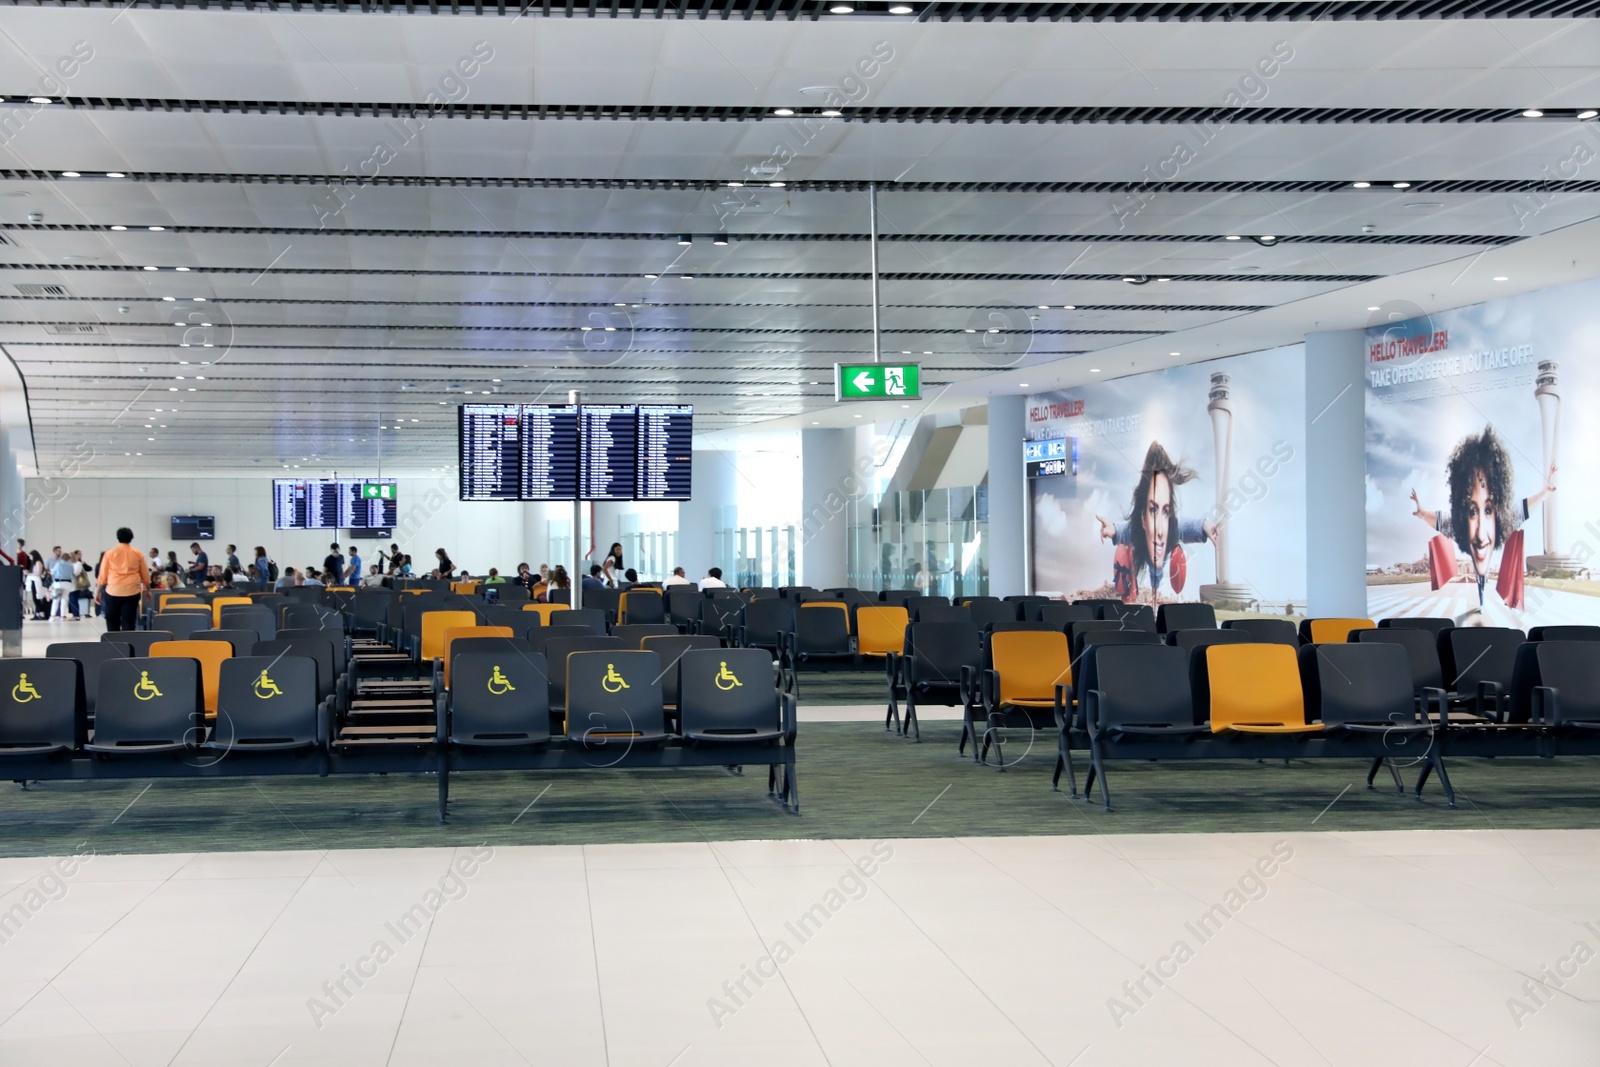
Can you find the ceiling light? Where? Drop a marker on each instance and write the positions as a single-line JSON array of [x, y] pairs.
[[205, 324], [183, 363], [181, 270], [1402, 185], [149, 439], [841, 9], [183, 344], [1268, 237], [1373, 308], [1044, 307], [686, 239], [858, 416], [832, 113], [495, 380], [1501, 278], [971, 330], [1094, 370], [1174, 353], [814, 423], [152, 268], [169, 298], [900, 9], [618, 304], [611, 329], [41, 100], [585, 329], [172, 388], [784, 112], [199, 300], [719, 239], [115, 174], [777, 185], [70, 174], [207, 345], [155, 229], [1533, 113], [199, 377], [994, 329], [1158, 279], [736, 185], [1022, 385], [688, 277], [1231, 237], [119, 229], [1589, 114], [180, 377], [1363, 185], [652, 277]]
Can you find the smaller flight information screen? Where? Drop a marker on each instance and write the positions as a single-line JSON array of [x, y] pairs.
[[665, 452], [610, 435], [549, 452], [491, 451]]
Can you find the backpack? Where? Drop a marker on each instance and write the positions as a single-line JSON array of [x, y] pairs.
[[272, 569]]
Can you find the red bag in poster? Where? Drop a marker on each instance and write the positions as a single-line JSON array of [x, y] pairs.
[[1178, 568], [1122, 577], [1509, 583], [1441, 560]]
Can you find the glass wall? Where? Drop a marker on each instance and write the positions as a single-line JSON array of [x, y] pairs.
[[940, 533]]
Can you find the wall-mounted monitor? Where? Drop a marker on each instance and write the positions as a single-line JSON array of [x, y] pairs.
[[194, 527], [366, 504], [539, 452]]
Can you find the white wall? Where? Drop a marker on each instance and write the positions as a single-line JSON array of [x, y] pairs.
[[477, 535]]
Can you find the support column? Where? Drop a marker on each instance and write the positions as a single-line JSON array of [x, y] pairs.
[[827, 462], [1336, 468], [1009, 564], [713, 503]]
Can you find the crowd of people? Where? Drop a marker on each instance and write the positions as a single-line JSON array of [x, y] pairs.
[[65, 585]]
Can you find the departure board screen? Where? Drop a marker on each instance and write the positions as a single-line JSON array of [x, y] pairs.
[[491, 451], [664, 452], [549, 453], [330, 504], [610, 434]]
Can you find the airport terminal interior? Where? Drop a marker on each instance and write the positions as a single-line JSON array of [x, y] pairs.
[[660, 533]]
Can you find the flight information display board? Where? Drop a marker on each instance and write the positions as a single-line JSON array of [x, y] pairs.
[[664, 453], [491, 451], [610, 435], [539, 452], [330, 504], [549, 453]]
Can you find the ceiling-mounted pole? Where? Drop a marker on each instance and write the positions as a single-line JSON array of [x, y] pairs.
[[872, 217], [574, 599]]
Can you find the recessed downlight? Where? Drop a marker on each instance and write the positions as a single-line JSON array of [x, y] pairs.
[[119, 229], [1362, 185], [1533, 113], [70, 174], [783, 112]]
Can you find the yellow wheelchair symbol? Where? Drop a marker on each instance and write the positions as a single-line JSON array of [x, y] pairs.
[[612, 682], [499, 684], [145, 689], [266, 688], [728, 677], [24, 691]]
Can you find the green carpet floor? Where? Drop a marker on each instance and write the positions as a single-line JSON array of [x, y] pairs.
[[856, 782]]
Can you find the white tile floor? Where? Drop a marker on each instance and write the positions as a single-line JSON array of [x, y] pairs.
[[1401, 946], [1411, 948]]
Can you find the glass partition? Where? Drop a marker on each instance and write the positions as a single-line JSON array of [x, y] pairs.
[[932, 538]]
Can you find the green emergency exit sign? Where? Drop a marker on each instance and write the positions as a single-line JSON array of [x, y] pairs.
[[877, 381], [369, 491]]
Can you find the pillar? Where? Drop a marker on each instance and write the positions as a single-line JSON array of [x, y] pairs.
[[1336, 468], [1009, 563], [712, 506], [828, 478]]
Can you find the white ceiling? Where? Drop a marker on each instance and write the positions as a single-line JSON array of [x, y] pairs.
[[329, 329]]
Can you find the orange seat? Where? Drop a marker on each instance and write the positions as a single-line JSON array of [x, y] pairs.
[[210, 655], [456, 632], [170, 598], [434, 625], [1255, 689], [223, 601], [1030, 664], [546, 610], [881, 630], [464, 588], [1324, 631]]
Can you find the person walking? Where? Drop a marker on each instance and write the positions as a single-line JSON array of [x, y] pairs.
[[353, 574], [60, 582], [123, 579]]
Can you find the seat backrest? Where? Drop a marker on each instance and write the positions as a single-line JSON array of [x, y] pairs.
[[1434, 626], [319, 650], [267, 701], [434, 625], [544, 611], [181, 624], [458, 633], [1473, 654], [1138, 685], [1255, 684], [1421, 650], [1325, 631], [521, 622], [645, 607], [263, 620], [670, 649], [880, 629], [936, 612], [590, 619], [42, 703], [1129, 616], [912, 604], [1564, 633], [149, 701], [897, 596], [823, 628], [1059, 613], [558, 649], [633, 634], [719, 614], [1029, 598], [1170, 617], [1572, 669], [935, 652], [1030, 664], [1189, 640], [218, 603], [1267, 631], [139, 641], [90, 657], [1366, 682], [241, 640], [176, 598], [464, 588], [728, 692], [991, 610], [271, 600], [209, 654], [612, 695], [1084, 639], [683, 603], [604, 601], [768, 623], [540, 636], [317, 617], [499, 699], [1074, 630], [341, 657]]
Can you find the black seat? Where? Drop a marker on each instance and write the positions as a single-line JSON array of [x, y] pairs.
[[730, 694], [613, 698], [1479, 663], [1058, 613], [767, 624], [1084, 638], [1189, 640], [138, 641], [821, 633], [1130, 690], [670, 649], [1564, 633], [1432, 625], [936, 612], [1170, 617], [44, 706], [312, 617], [643, 607], [1101, 602], [1422, 655], [264, 621], [1022, 602], [520, 623], [1567, 692], [1363, 685], [683, 605], [589, 618], [897, 597], [557, 650], [182, 625], [341, 647], [939, 660], [540, 636], [632, 634], [267, 703], [1131, 616], [148, 706], [318, 651], [1267, 631], [719, 614], [241, 640], [604, 601], [498, 700], [986, 610], [90, 657]]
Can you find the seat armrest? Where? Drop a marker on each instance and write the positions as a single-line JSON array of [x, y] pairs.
[[1491, 694], [1091, 711], [969, 685], [891, 668], [790, 717], [1064, 703], [991, 689], [1546, 704], [441, 712]]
